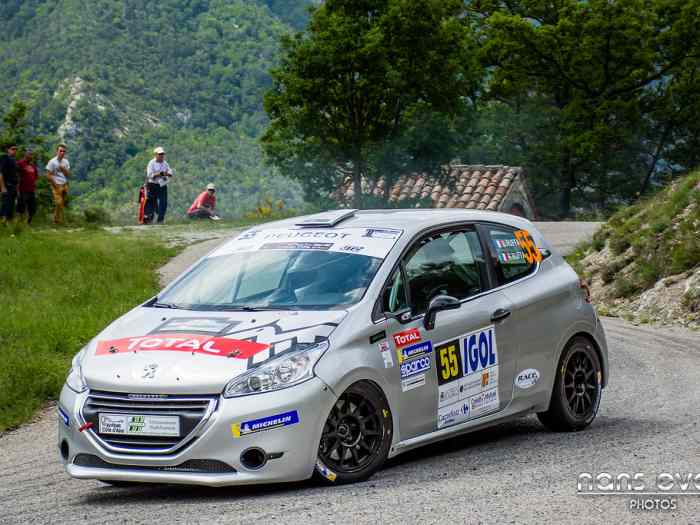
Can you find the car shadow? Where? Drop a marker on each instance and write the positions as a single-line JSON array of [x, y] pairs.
[[518, 437]]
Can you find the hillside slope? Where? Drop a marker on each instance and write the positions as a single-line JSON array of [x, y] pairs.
[[113, 78], [644, 263]]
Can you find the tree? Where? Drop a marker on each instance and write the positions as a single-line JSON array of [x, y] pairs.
[[593, 62], [353, 93]]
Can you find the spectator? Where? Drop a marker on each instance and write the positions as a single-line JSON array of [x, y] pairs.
[[8, 183], [58, 173], [204, 205], [158, 175], [28, 174]]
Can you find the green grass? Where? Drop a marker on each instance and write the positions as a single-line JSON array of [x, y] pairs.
[[58, 289]]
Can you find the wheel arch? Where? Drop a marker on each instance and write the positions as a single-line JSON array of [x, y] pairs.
[[596, 346]]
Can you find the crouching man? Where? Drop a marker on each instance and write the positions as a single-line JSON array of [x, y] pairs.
[[204, 205]]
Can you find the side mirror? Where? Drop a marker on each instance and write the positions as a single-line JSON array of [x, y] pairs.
[[402, 316], [438, 304]]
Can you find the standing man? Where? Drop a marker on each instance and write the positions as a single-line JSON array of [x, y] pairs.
[[204, 205], [8, 183], [28, 174], [158, 175], [58, 173]]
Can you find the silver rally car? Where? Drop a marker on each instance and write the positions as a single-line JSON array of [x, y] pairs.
[[327, 343]]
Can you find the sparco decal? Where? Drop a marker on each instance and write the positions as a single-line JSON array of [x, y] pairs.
[[178, 342], [407, 337], [415, 366]]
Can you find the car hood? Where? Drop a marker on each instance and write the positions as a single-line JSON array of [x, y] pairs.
[[152, 350]]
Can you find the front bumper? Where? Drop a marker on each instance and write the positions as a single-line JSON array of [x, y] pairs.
[[294, 448]]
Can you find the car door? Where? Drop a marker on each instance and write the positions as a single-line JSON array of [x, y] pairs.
[[453, 372]]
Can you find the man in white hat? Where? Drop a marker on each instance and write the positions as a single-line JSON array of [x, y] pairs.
[[158, 175], [204, 205]]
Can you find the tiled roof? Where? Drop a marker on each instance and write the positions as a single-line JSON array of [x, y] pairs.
[[475, 187]]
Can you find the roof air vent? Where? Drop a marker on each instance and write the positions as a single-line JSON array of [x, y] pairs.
[[327, 219]]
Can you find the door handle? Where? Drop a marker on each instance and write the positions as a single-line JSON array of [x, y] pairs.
[[499, 315]]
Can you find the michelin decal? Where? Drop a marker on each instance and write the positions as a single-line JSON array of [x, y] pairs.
[[264, 423]]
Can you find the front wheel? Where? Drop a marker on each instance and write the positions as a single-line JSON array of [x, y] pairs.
[[577, 388], [356, 436]]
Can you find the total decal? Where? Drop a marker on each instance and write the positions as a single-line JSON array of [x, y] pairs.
[[362, 241], [467, 369], [249, 341], [264, 423]]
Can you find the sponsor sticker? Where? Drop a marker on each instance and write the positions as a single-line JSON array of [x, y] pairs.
[[180, 342], [484, 402], [479, 350], [415, 366], [382, 233], [63, 415], [385, 350], [325, 471], [413, 351], [527, 378], [204, 325], [143, 425], [412, 382], [453, 414], [265, 423], [407, 337], [297, 246], [377, 337]]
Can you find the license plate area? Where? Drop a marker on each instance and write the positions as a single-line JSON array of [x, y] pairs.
[[140, 425]]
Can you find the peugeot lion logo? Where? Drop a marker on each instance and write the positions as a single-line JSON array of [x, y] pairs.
[[149, 371]]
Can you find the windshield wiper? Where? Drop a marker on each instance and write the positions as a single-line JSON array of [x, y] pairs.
[[243, 308], [165, 305]]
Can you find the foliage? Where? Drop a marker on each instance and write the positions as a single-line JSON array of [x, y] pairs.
[[594, 72], [351, 95], [115, 78], [662, 235], [59, 290]]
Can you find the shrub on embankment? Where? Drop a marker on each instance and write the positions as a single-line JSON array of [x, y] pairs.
[[644, 263]]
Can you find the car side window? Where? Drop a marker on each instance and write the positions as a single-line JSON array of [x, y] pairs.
[[510, 259], [449, 263], [394, 298]]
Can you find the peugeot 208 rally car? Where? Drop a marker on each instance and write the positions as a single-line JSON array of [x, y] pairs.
[[327, 343]]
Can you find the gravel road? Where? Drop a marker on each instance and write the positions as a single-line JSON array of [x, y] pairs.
[[516, 472]]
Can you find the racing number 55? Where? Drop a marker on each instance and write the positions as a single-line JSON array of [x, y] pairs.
[[532, 253], [450, 362]]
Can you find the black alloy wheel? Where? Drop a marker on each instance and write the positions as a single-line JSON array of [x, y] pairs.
[[356, 436], [577, 388]]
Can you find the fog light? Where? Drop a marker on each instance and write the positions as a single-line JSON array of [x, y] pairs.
[[253, 458], [64, 450]]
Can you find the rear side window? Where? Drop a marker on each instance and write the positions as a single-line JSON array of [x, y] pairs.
[[449, 263], [512, 256]]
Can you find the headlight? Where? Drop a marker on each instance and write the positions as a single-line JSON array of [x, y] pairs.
[[75, 380], [287, 370]]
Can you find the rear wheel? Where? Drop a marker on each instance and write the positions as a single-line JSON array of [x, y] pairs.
[[577, 388], [356, 436]]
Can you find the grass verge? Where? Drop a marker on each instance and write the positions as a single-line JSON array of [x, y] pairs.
[[58, 289]]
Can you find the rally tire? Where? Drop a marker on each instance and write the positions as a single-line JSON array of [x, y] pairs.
[[577, 388], [356, 436]]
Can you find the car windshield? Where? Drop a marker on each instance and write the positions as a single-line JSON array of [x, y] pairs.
[[274, 279]]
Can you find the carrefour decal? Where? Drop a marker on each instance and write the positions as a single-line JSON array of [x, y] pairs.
[[527, 378], [376, 242], [413, 351], [178, 342], [264, 423], [407, 337]]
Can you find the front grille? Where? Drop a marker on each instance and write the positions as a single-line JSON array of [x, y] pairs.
[[194, 466], [193, 411]]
